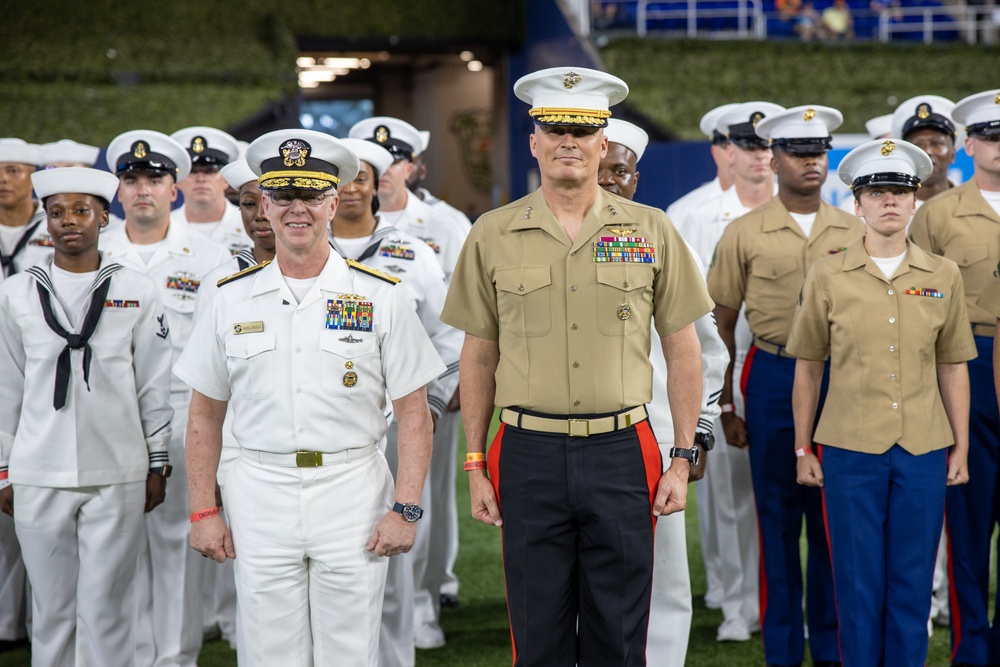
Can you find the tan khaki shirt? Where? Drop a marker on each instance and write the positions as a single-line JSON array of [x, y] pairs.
[[884, 339], [573, 332], [960, 225], [989, 298], [762, 258]]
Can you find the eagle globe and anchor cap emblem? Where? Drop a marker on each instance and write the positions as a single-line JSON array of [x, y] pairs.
[[571, 79], [809, 114], [295, 152], [888, 147]]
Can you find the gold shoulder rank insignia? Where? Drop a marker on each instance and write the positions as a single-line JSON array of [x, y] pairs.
[[354, 264], [621, 231], [245, 272]]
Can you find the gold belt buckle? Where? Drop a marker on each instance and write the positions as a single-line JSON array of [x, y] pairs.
[[308, 459], [578, 428]]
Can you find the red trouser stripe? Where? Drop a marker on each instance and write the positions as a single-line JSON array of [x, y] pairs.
[[745, 375], [493, 467], [651, 458]]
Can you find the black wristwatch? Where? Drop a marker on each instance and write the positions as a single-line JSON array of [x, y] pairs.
[[163, 471], [692, 454], [411, 511], [705, 440]]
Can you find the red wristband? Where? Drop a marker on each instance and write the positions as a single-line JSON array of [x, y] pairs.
[[204, 514], [803, 451], [474, 465]]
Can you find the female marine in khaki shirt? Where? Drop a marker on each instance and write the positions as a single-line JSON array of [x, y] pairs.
[[892, 320]]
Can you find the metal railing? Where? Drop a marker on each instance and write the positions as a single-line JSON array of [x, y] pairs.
[[689, 19], [956, 18], [749, 15]]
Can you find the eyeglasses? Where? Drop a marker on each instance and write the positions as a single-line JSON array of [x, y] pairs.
[[285, 199]]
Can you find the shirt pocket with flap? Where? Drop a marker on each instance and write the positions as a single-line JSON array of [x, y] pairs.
[[348, 364], [774, 283], [974, 263], [524, 295], [624, 300], [250, 359]]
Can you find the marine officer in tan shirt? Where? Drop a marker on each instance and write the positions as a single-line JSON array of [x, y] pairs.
[[891, 318], [963, 224], [761, 260], [556, 293]]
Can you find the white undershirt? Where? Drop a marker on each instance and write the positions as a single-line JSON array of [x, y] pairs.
[[71, 290], [146, 251], [9, 236], [299, 286], [391, 218], [206, 228], [888, 265], [993, 199], [353, 247], [805, 221]]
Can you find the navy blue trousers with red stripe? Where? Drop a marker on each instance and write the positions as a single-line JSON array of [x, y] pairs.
[[971, 515], [577, 543], [883, 515], [781, 505]]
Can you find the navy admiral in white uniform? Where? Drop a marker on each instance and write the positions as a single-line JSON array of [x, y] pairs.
[[168, 586], [306, 348], [84, 424]]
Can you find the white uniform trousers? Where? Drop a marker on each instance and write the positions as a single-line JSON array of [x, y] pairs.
[[80, 549], [169, 574], [309, 593], [436, 547], [396, 647], [670, 601], [728, 520], [15, 611]]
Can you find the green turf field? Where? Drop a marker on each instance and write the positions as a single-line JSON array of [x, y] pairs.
[[477, 631]]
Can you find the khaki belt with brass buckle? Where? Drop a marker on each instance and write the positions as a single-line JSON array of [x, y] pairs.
[[575, 428], [304, 459], [772, 348], [989, 330]]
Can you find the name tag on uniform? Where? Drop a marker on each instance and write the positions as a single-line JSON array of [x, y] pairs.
[[120, 303], [248, 327], [624, 249], [925, 291], [349, 314]]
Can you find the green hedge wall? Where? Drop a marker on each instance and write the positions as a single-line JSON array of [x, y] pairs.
[[674, 82]]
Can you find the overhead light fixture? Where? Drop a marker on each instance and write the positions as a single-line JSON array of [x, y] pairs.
[[474, 66], [466, 56], [342, 63], [317, 75], [308, 84], [305, 61]]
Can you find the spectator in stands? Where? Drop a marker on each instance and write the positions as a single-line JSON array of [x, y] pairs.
[[838, 24], [802, 15], [888, 8]]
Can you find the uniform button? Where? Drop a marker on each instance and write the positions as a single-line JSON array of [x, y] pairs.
[[892, 348], [576, 364], [574, 326], [572, 288], [576, 404], [892, 376], [890, 292], [892, 320], [895, 406], [625, 284], [298, 349], [298, 390], [520, 288], [302, 430], [774, 272]]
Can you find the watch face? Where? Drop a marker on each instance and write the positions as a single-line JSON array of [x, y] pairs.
[[412, 512]]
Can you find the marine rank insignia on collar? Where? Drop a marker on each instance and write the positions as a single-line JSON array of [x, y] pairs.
[[613, 210], [527, 213]]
